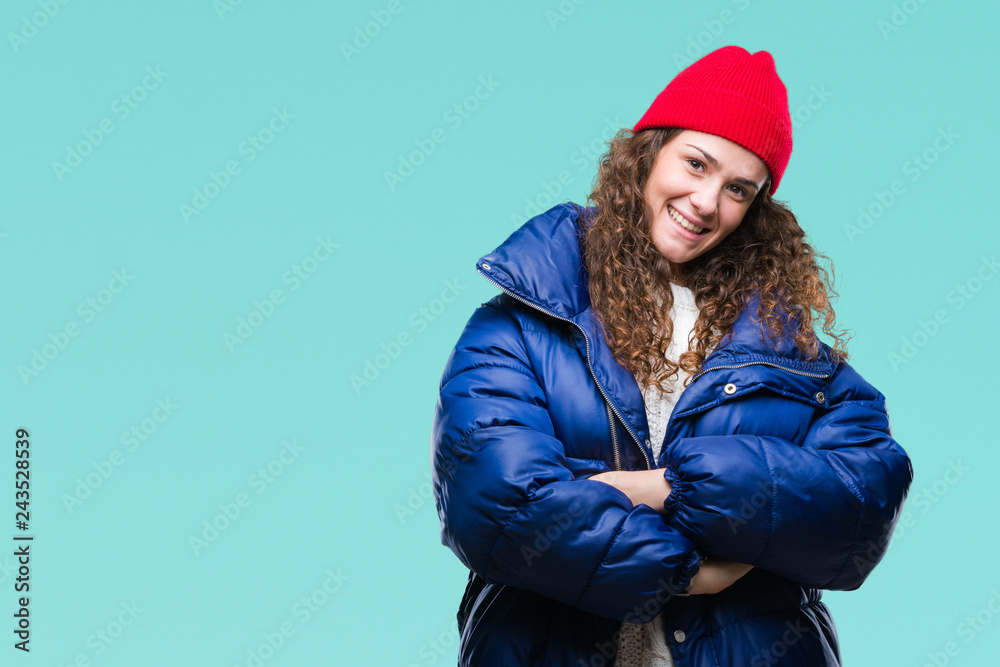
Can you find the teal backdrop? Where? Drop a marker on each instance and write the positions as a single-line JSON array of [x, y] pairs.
[[238, 243]]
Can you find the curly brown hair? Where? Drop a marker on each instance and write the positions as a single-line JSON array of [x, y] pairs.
[[629, 280]]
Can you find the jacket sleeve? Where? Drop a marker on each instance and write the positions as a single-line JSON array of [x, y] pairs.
[[820, 514], [510, 507]]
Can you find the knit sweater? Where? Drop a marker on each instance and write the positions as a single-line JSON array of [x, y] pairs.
[[645, 645]]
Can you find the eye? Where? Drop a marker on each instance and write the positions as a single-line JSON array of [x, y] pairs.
[[739, 191], [694, 163]]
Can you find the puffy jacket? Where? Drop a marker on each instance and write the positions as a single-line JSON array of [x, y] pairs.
[[783, 463]]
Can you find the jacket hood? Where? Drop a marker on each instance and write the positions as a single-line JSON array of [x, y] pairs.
[[541, 263]]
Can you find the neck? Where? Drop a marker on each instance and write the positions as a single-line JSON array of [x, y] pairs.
[[679, 278], [674, 273]]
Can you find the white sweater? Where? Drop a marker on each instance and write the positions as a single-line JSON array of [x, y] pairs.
[[645, 645]]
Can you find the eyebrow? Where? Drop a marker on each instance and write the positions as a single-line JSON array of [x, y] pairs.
[[715, 163]]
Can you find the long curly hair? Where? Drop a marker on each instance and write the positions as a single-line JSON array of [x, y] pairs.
[[629, 280]]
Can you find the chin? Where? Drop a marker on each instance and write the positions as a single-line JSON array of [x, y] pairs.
[[671, 253], [668, 260]]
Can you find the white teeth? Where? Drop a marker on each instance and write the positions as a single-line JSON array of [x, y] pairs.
[[683, 222]]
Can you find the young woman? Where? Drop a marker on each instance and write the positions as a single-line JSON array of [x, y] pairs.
[[642, 451]]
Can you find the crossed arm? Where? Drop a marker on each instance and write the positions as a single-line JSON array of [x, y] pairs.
[[650, 487], [820, 514], [514, 513]]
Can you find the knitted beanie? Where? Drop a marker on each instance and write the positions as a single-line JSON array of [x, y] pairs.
[[735, 95]]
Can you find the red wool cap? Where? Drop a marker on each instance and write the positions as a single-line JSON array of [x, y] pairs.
[[735, 95]]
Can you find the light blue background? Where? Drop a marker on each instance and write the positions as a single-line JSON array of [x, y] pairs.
[[562, 76]]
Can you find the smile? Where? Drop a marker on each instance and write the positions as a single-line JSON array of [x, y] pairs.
[[682, 221]]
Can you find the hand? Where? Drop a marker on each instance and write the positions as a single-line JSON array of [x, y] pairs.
[[647, 487], [716, 575]]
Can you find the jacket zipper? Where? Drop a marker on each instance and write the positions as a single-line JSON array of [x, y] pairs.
[[614, 437], [761, 363]]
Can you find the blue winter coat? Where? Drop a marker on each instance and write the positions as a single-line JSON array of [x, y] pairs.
[[787, 464]]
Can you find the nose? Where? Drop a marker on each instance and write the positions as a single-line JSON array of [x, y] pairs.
[[705, 199]]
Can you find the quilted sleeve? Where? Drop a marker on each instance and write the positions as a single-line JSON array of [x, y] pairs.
[[821, 514], [509, 506]]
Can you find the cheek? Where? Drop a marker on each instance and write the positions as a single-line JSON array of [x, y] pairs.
[[731, 218], [654, 190]]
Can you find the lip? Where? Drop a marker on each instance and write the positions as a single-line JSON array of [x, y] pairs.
[[686, 232]]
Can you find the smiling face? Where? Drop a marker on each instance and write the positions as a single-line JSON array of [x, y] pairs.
[[699, 182]]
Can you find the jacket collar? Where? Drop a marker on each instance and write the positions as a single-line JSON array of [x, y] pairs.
[[540, 264]]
